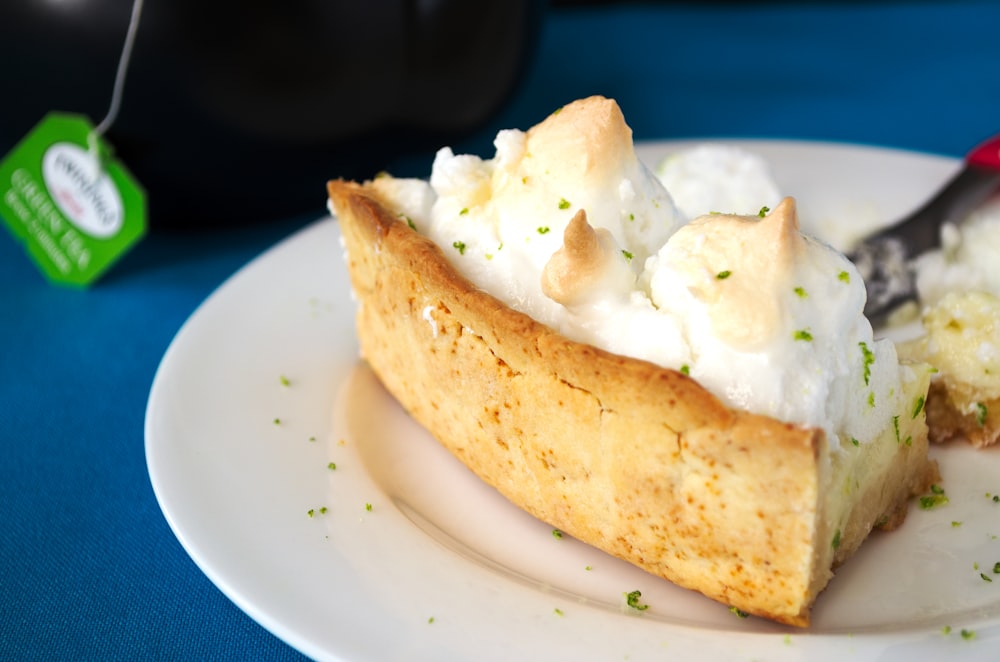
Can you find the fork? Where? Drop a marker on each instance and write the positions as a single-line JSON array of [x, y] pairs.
[[885, 259]]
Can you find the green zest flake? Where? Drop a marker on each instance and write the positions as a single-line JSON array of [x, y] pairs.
[[854, 440], [464, 211], [933, 500], [410, 223], [955, 524], [588, 568], [869, 358], [631, 217], [763, 211], [563, 203], [844, 277], [803, 334], [632, 599], [723, 275], [322, 510], [368, 507], [543, 229], [277, 421], [284, 380], [430, 620], [895, 428], [311, 512], [996, 498], [871, 399], [835, 543], [459, 246], [946, 629], [558, 611], [996, 568], [968, 634], [557, 534], [980, 414], [739, 612], [918, 406], [685, 369], [788, 640], [801, 292], [628, 255], [332, 466], [986, 578]]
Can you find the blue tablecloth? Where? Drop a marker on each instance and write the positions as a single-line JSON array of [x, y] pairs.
[[90, 568]]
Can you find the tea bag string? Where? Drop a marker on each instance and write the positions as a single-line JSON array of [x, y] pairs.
[[119, 85]]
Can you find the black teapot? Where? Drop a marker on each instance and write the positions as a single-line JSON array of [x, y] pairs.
[[239, 111]]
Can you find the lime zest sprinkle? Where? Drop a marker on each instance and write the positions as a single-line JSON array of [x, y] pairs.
[[936, 498], [869, 359], [981, 414], [632, 600]]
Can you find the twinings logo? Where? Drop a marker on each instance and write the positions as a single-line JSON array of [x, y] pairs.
[[87, 197]]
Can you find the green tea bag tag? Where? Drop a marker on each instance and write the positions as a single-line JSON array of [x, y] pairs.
[[75, 208]]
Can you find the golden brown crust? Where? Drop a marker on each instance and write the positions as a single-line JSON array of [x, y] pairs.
[[635, 459]]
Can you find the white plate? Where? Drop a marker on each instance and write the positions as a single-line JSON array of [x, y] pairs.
[[442, 568]]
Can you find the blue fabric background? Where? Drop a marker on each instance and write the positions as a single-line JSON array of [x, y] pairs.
[[91, 569]]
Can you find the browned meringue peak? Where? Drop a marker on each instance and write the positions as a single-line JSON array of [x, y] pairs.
[[588, 263], [739, 267], [583, 144]]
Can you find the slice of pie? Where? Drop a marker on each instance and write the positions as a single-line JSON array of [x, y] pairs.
[[702, 399]]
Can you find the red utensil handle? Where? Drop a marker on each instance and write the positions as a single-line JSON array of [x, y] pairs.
[[986, 154]]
